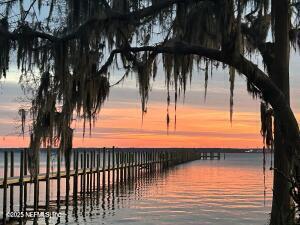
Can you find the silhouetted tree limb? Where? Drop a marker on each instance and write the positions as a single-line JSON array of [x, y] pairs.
[[132, 17], [270, 92], [68, 55]]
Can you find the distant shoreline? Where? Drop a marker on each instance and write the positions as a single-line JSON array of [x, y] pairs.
[[216, 150]]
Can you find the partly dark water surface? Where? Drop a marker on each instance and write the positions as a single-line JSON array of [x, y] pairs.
[[201, 192], [212, 192]]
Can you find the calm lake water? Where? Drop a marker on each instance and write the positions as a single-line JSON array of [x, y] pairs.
[[212, 192]]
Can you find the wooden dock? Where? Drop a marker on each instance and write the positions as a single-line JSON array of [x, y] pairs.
[[86, 171]]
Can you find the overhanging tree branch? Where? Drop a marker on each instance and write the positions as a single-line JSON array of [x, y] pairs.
[[270, 92], [132, 17], [27, 31]]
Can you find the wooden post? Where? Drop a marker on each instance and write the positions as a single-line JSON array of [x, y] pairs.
[[58, 180], [135, 164], [129, 165], [156, 159], [167, 159], [68, 169], [143, 159], [113, 166], [91, 171], [75, 181], [84, 174], [121, 166], [94, 165], [5, 186], [147, 161], [25, 184], [11, 194], [75, 178], [48, 179], [108, 168], [140, 163], [84, 181], [87, 175], [21, 181], [118, 168], [130, 175], [98, 171], [103, 169], [125, 166], [81, 176], [152, 160], [132, 164], [36, 186]]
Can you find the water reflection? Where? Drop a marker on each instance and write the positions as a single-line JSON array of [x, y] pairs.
[[201, 192]]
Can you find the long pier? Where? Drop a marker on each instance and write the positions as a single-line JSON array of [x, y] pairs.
[[85, 171]]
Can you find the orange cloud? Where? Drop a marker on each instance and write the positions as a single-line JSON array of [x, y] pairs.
[[195, 127]]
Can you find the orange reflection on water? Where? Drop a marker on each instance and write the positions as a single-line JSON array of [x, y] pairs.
[[230, 191]]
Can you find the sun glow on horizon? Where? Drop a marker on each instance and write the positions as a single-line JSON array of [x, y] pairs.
[[195, 127], [120, 124]]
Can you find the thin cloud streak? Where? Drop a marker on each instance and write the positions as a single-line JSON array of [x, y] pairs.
[[198, 124]]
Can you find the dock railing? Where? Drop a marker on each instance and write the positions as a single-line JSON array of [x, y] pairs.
[[86, 171]]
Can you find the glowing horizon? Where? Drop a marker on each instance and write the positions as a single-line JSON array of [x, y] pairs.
[[199, 123], [195, 127]]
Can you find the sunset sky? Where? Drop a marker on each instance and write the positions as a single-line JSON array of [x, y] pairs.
[[199, 123]]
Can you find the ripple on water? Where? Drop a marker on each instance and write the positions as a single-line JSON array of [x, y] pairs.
[[229, 192], [208, 193]]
